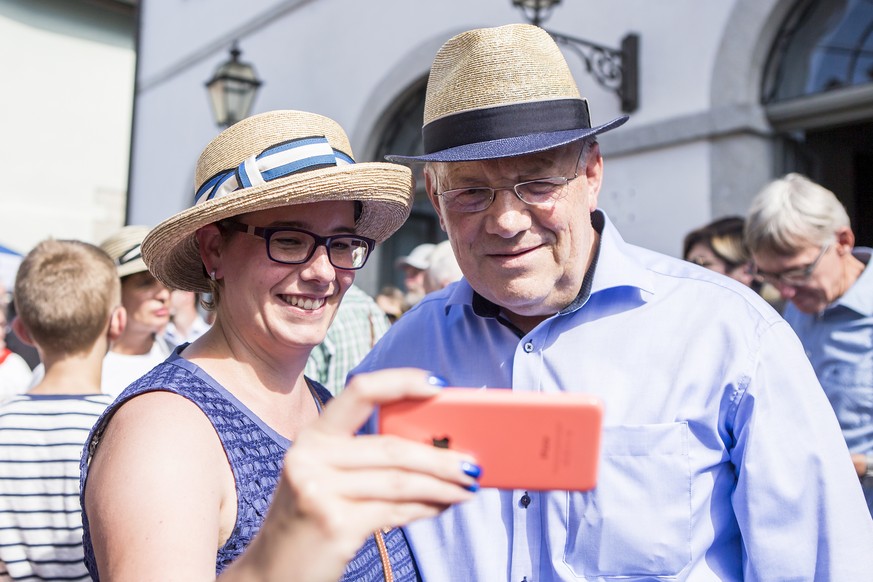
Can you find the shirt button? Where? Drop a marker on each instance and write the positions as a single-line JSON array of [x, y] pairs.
[[528, 347], [525, 500]]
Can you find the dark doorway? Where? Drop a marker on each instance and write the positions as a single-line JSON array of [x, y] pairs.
[[840, 159], [402, 135]]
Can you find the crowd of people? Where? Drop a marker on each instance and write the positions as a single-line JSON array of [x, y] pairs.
[[201, 406]]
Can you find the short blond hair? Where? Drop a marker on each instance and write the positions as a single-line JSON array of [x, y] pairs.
[[791, 213], [65, 292]]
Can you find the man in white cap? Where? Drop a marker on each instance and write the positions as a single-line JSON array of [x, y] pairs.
[[414, 266], [720, 457]]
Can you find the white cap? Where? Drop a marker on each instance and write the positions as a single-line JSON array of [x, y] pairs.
[[419, 258]]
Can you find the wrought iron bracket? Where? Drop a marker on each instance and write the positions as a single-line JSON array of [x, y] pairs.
[[615, 69]]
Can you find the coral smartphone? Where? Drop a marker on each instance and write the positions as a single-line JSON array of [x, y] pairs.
[[522, 440]]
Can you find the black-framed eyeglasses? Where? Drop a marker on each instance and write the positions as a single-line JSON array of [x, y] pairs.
[[540, 192], [791, 277], [293, 246]]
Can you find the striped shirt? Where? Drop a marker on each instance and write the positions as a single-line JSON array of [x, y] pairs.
[[41, 440]]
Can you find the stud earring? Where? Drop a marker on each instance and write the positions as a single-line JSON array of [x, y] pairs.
[[212, 274]]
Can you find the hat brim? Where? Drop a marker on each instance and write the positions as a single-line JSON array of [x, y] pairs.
[[405, 262], [384, 190], [510, 146]]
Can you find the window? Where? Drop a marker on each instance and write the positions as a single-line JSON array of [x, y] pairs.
[[821, 46]]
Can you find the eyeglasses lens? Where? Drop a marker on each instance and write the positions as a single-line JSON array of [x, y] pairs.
[[344, 252]]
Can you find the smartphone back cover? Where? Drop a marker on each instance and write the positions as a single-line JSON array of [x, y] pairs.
[[522, 440]]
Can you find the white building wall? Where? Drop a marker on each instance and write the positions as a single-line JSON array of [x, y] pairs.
[[350, 60], [65, 114], [656, 197]]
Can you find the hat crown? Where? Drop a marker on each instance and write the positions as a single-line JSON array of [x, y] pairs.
[[123, 247], [252, 135], [124, 240], [491, 67]]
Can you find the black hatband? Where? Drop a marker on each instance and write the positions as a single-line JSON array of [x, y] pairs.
[[481, 125]]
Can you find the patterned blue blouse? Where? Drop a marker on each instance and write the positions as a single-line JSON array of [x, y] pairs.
[[255, 452]]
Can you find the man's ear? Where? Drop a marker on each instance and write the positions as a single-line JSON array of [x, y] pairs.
[[117, 323], [594, 175], [845, 240], [430, 185], [21, 332]]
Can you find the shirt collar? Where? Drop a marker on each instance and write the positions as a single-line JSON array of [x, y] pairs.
[[859, 297]]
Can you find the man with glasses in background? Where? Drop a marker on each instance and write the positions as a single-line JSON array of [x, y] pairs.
[[802, 244], [710, 405]]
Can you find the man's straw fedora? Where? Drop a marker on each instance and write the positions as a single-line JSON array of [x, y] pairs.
[[501, 92], [275, 159]]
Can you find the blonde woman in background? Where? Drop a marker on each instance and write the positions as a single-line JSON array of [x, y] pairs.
[[719, 246]]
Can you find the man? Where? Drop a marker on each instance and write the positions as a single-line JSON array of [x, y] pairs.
[[802, 244], [414, 267], [443, 269], [712, 410]]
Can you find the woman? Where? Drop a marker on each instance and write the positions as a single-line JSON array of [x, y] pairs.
[[141, 346], [719, 246], [179, 475]]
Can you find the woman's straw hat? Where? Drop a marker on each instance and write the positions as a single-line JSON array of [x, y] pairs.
[[275, 159], [123, 247], [500, 92]]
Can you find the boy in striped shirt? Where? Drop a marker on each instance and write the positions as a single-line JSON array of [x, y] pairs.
[[67, 296]]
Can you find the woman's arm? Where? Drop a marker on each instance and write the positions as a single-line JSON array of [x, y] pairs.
[[159, 488], [336, 488], [161, 501]]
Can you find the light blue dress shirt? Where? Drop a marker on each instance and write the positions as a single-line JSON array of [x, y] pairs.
[[839, 343], [721, 458]]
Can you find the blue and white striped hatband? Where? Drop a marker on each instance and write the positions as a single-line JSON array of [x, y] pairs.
[[278, 158]]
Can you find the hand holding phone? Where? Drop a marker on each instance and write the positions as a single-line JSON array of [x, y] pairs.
[[522, 440]]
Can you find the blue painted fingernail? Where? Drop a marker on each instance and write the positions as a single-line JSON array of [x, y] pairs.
[[471, 470], [472, 487], [435, 380]]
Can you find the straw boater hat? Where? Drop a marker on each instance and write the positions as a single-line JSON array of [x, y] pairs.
[[500, 92], [123, 247], [275, 159]]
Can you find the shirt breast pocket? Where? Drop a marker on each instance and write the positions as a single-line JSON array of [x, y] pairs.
[[849, 387], [637, 521]]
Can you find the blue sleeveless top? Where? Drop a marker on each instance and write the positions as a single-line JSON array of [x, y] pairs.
[[255, 452]]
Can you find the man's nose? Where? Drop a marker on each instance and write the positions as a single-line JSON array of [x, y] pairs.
[[508, 214], [786, 291]]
